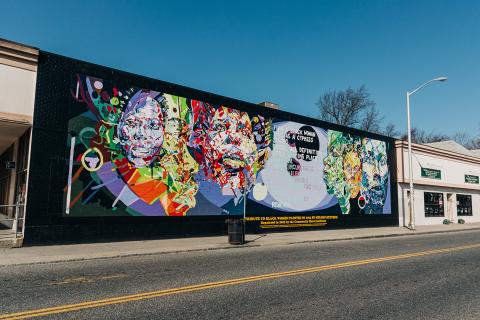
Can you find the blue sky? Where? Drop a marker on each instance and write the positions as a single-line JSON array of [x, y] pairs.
[[282, 51]]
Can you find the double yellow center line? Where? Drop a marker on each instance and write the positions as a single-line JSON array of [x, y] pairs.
[[209, 285]]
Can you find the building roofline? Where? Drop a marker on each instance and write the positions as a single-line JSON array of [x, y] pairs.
[[11, 43], [429, 150], [18, 55]]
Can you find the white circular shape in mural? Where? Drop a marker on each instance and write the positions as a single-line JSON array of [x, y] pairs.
[[92, 159], [293, 174], [260, 191], [98, 85]]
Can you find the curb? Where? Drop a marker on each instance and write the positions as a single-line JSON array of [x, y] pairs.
[[247, 245], [389, 235], [131, 255]]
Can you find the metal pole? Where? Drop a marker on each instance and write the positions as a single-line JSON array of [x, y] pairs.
[[244, 211], [16, 220], [23, 219], [411, 223], [70, 168]]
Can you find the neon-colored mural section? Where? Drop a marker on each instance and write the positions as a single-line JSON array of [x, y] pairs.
[[146, 153], [314, 170], [356, 169]]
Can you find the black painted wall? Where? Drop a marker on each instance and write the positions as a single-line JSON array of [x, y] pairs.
[[54, 106]]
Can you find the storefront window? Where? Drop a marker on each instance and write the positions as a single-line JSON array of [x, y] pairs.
[[433, 204], [464, 205]]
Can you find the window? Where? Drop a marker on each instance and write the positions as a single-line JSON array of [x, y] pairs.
[[433, 204], [464, 205]]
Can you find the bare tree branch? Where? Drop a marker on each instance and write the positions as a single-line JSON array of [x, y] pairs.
[[354, 108], [372, 120], [421, 136], [350, 107], [391, 131], [466, 140]]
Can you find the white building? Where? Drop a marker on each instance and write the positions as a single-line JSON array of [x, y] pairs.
[[446, 183], [18, 74]]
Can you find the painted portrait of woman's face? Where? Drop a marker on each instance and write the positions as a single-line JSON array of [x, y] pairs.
[[343, 167], [141, 130], [230, 148], [374, 175]]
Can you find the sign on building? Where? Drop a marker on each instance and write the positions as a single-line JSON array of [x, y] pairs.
[[471, 179], [431, 173]]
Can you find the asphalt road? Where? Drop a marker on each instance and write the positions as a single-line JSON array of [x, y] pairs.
[[416, 283]]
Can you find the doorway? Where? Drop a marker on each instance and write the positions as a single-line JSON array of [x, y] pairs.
[[14, 158], [450, 207]]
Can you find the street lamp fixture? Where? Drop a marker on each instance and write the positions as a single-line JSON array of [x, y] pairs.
[[411, 223]]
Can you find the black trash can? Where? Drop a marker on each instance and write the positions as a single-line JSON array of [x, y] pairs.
[[236, 232]]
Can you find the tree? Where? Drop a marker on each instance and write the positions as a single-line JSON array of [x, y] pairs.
[[351, 108], [466, 140], [371, 120], [354, 108], [462, 138], [421, 136], [475, 144], [391, 131]]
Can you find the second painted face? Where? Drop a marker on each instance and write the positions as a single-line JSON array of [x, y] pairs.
[[230, 147], [141, 132]]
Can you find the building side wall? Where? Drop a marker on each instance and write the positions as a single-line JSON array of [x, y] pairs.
[[17, 94], [453, 171], [452, 181], [18, 76], [421, 219]]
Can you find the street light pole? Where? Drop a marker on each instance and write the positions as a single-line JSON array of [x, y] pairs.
[[411, 223]]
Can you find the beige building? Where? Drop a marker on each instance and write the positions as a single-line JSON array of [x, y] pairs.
[[446, 183], [18, 73]]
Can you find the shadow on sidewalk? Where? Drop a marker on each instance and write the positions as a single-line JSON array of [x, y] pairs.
[[253, 240]]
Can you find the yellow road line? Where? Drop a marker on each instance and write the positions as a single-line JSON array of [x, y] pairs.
[[209, 285]]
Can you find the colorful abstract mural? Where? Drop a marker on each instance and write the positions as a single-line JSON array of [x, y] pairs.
[[375, 175], [356, 168], [314, 170], [150, 152], [141, 152]]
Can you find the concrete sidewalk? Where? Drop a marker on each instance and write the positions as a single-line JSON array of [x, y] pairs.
[[76, 252]]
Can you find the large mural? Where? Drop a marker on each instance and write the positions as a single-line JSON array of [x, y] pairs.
[[151, 153], [141, 152], [312, 169]]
